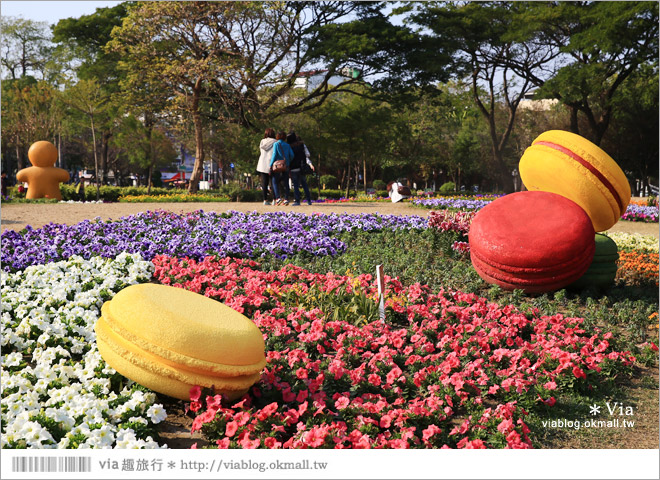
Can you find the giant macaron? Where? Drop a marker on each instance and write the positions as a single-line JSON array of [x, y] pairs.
[[170, 339], [571, 166], [533, 241], [602, 271]]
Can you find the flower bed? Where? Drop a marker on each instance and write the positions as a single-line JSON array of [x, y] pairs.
[[195, 235], [638, 213], [444, 370], [637, 268], [634, 213], [56, 390], [456, 203], [635, 241]]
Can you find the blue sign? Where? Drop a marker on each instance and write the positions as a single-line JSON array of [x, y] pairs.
[[231, 165]]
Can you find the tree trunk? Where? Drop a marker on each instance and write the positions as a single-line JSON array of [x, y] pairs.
[[19, 160], [348, 179], [199, 139], [104, 156], [96, 160], [364, 172], [575, 127]]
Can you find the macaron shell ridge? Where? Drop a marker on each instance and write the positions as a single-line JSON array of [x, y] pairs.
[[545, 168], [125, 337], [154, 381], [536, 282], [182, 371], [532, 230], [182, 322], [595, 156], [534, 241]]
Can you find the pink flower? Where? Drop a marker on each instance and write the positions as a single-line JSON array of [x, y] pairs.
[[341, 403], [271, 442], [374, 379], [230, 428], [476, 443], [551, 385], [429, 432], [223, 443], [385, 421]]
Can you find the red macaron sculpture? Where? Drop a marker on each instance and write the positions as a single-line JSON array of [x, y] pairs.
[[544, 239]]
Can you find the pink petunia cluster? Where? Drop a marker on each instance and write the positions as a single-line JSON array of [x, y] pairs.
[[444, 370], [446, 220]]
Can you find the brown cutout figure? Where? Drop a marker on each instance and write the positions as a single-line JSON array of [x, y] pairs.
[[43, 178]]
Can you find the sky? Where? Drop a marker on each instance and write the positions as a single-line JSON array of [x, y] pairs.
[[51, 11]]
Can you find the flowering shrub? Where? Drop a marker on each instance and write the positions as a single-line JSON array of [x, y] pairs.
[[637, 268], [194, 235], [453, 222], [443, 370], [57, 392], [634, 241]]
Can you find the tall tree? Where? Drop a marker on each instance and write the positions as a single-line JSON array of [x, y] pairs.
[[481, 36], [85, 38], [91, 100], [30, 112], [602, 45], [242, 57], [25, 46]]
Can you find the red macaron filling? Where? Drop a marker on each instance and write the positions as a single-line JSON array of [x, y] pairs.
[[589, 167]]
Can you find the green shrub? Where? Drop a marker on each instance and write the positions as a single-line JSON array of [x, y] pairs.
[[379, 185], [334, 194], [447, 188], [329, 181]]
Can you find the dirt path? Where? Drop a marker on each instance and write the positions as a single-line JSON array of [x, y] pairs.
[[18, 216]]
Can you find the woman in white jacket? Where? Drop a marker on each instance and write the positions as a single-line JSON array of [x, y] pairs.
[[263, 167]]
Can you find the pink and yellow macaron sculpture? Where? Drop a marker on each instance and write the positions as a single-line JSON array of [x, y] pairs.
[[571, 166], [169, 340]]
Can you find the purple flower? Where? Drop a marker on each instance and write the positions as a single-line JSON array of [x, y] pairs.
[[195, 235]]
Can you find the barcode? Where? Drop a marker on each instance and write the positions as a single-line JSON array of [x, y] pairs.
[[51, 464]]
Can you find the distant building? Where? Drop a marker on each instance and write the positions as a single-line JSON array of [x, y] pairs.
[[528, 102], [311, 79]]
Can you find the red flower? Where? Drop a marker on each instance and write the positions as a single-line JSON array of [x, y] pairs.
[[579, 373], [195, 393]]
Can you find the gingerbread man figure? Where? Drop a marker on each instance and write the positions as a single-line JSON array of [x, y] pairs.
[[43, 178]]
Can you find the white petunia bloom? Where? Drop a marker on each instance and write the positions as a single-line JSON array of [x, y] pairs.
[[156, 413], [66, 380]]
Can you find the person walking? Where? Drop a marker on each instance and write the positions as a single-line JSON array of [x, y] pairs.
[[298, 166], [279, 166], [263, 166]]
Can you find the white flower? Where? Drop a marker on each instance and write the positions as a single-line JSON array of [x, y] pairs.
[[156, 413], [32, 308]]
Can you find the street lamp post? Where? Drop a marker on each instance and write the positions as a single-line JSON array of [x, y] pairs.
[[515, 179]]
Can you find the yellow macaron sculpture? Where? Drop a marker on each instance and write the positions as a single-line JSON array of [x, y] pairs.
[[571, 166], [170, 339]]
